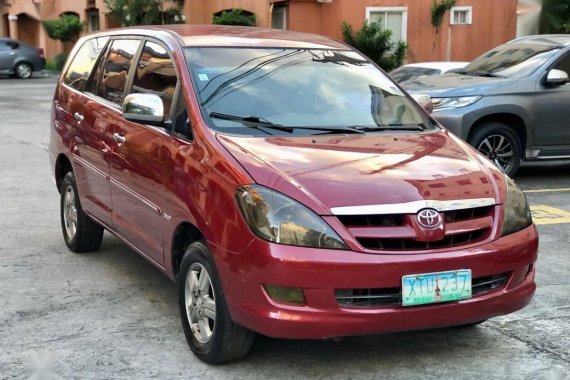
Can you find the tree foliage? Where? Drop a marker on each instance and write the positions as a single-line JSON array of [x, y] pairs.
[[555, 16], [234, 17], [141, 12], [375, 42], [66, 29]]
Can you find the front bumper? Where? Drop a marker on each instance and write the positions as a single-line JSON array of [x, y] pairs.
[[319, 272]]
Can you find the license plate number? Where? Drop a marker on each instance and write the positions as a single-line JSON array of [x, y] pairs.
[[420, 289]]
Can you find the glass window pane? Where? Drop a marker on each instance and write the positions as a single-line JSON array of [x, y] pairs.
[[278, 18], [83, 62], [116, 70], [394, 23], [377, 16], [156, 74]]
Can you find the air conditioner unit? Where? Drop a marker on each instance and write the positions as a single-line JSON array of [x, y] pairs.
[[37, 1], [325, 1]]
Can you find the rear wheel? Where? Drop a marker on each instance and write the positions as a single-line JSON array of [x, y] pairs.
[[211, 334], [499, 143], [23, 70], [81, 234]]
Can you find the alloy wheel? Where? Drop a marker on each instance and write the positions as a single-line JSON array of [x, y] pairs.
[[70, 212], [200, 303], [24, 71], [499, 150]]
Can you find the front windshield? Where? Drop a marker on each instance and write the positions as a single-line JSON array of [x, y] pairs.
[[511, 60], [403, 74], [299, 88]]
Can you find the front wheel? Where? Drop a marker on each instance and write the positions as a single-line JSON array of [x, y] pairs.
[[211, 334], [499, 143]]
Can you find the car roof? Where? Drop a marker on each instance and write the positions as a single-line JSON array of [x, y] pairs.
[[236, 36], [544, 39], [443, 66]]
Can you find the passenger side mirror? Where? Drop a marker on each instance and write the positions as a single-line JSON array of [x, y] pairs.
[[424, 101], [556, 78], [144, 108]]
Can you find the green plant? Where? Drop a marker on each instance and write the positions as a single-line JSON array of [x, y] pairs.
[[234, 17], [438, 10], [374, 41], [555, 16], [67, 28], [141, 12]]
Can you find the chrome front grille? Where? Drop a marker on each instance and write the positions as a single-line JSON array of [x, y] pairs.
[[396, 232]]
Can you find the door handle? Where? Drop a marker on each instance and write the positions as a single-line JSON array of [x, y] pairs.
[[79, 117], [119, 139]]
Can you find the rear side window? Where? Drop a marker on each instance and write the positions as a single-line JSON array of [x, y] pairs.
[[156, 74], [4, 46], [116, 70], [83, 63]]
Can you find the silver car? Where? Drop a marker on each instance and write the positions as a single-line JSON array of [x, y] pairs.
[[20, 59], [512, 103]]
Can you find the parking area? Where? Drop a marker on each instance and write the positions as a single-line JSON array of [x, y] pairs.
[[110, 314]]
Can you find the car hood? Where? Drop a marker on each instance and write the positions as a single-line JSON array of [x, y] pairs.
[[448, 85], [335, 171]]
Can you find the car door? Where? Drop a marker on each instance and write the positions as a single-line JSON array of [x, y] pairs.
[[138, 164], [552, 112], [7, 55], [90, 137]]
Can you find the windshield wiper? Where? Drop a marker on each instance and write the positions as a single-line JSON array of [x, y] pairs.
[[485, 74], [392, 127], [251, 121], [256, 121]]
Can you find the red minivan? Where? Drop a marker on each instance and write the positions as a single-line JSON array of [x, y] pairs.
[[286, 184]]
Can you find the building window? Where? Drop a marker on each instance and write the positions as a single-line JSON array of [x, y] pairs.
[[93, 20], [392, 18], [279, 17], [461, 15]]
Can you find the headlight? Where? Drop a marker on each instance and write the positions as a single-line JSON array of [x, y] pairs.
[[276, 218], [440, 104], [517, 212]]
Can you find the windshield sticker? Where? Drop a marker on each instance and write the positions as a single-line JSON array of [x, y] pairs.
[[203, 77]]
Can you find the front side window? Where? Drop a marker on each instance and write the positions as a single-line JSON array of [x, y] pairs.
[[511, 60], [301, 88], [116, 70], [155, 74], [80, 68]]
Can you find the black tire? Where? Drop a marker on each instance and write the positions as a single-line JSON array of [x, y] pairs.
[[495, 139], [81, 233], [227, 341], [23, 70]]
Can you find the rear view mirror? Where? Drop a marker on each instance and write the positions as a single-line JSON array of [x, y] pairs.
[[424, 101], [556, 78], [144, 108]]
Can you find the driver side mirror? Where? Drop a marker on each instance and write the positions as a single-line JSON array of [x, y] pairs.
[[144, 108], [424, 101], [556, 78]]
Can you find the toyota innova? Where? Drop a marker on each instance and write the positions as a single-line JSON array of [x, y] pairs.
[[286, 184]]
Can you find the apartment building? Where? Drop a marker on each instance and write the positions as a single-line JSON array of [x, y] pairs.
[[469, 29]]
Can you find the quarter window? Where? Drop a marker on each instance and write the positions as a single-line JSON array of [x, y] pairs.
[[83, 63], [155, 74], [116, 70]]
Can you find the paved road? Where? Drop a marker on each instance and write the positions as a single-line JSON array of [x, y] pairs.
[[110, 314]]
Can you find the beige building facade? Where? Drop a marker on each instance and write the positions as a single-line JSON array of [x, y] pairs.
[[468, 30]]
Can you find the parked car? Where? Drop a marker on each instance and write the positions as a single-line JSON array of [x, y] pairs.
[[416, 70], [286, 184], [20, 59], [511, 103]]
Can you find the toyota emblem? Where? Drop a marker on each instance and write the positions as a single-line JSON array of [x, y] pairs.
[[429, 218]]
